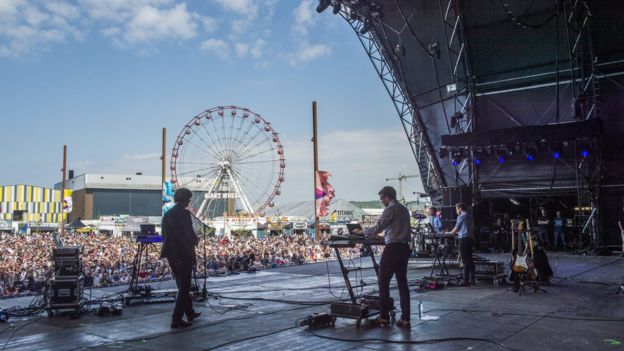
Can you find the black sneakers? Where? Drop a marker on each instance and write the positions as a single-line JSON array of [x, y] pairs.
[[180, 324]]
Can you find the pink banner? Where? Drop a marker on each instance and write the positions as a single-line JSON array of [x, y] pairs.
[[323, 193]]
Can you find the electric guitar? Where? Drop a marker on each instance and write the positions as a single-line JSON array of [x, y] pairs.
[[519, 264]]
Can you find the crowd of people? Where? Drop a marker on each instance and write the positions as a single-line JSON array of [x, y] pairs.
[[26, 260]]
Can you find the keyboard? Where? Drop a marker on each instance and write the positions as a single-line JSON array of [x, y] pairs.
[[351, 241]]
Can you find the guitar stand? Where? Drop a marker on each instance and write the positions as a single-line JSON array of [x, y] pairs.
[[524, 282]]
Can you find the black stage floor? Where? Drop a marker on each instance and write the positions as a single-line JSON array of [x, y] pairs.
[[581, 311]]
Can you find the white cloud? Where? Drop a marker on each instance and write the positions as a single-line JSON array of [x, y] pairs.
[[9, 8], [308, 52], [30, 26], [141, 156], [257, 48], [63, 9], [359, 160], [247, 8], [304, 17], [217, 47], [27, 27], [251, 24], [148, 23], [151, 23], [210, 24], [241, 49]]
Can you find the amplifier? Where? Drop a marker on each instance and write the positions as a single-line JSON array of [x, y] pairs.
[[65, 267], [65, 292], [349, 310], [489, 267]]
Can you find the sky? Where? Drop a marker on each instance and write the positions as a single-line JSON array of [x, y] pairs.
[[105, 76]]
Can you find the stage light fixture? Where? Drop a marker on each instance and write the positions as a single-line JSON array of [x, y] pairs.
[[556, 151], [366, 26], [530, 151], [323, 5], [478, 156], [456, 156], [455, 118], [502, 154], [584, 150], [337, 8], [443, 152]]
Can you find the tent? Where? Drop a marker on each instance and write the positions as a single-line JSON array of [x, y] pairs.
[[345, 210], [76, 224]]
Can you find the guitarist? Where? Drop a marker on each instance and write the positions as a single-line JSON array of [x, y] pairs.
[[463, 229]]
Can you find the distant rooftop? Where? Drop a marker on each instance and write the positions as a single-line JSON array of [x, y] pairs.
[[113, 181]]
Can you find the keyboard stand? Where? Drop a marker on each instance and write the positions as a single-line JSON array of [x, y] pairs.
[[439, 259], [367, 306]]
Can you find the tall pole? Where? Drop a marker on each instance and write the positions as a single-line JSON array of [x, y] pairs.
[[164, 156], [317, 231], [64, 170]]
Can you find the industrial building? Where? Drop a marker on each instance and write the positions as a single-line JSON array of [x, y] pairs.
[[95, 195]]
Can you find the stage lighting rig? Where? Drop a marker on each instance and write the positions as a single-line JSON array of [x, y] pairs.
[[323, 5]]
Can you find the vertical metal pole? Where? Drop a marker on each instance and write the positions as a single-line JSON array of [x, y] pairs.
[[317, 235], [64, 170], [164, 156]]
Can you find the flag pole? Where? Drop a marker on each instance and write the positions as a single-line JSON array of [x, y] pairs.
[[164, 157], [63, 190], [315, 141]]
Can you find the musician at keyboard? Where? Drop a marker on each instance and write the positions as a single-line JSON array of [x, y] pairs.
[[395, 224], [463, 229]]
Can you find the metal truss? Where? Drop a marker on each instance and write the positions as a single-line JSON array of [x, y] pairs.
[[586, 91], [413, 125], [463, 95]]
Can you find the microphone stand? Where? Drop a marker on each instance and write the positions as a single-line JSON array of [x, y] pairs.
[[204, 292]]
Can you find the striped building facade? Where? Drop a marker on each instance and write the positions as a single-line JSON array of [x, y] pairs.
[[32, 203]]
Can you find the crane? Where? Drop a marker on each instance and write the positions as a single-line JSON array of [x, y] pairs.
[[401, 179]]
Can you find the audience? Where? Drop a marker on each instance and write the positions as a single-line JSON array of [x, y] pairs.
[[26, 265]]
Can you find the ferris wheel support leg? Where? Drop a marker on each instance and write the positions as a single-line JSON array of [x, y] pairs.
[[206, 202], [239, 192]]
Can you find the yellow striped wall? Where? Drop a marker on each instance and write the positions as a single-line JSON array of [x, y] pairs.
[[40, 204]]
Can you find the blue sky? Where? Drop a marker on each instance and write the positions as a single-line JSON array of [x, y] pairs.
[[104, 76]]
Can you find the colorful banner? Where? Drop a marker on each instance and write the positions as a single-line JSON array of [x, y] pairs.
[[323, 193], [67, 201], [167, 197]]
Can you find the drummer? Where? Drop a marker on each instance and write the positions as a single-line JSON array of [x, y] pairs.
[[434, 220]]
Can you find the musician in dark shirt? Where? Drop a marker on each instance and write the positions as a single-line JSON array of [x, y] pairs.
[[179, 249], [500, 235], [543, 226]]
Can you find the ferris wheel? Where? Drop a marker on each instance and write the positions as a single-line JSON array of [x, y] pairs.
[[231, 159]]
